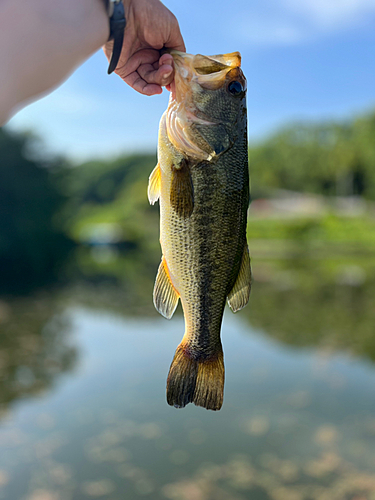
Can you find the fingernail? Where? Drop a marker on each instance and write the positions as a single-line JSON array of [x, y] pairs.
[[165, 77]]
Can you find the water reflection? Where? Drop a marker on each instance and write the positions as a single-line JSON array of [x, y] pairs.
[[34, 347], [327, 303], [304, 301], [293, 426], [297, 424]]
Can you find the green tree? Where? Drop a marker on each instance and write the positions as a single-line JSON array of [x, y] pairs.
[[32, 248], [328, 158]]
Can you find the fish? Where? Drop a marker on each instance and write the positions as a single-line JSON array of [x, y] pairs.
[[202, 183]]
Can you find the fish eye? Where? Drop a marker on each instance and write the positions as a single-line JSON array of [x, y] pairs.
[[235, 88]]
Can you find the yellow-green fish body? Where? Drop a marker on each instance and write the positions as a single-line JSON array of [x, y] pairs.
[[203, 186]]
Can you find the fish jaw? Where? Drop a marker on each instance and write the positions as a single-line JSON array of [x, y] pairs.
[[194, 74]]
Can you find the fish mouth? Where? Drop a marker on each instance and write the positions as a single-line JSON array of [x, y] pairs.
[[205, 65], [210, 73]]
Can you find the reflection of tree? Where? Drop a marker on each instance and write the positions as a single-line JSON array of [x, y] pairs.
[[116, 294], [34, 347], [317, 313]]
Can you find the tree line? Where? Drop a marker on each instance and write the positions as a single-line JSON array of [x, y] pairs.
[[325, 158], [44, 204]]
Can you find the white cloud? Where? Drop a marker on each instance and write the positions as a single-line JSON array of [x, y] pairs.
[[331, 13], [289, 22], [267, 31]]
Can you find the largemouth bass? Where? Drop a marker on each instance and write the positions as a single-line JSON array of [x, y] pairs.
[[202, 182]]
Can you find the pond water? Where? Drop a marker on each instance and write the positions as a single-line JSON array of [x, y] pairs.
[[84, 413]]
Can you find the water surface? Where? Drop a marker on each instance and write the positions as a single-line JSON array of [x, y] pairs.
[[84, 411]]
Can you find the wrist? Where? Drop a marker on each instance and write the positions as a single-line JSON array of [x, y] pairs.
[[117, 24]]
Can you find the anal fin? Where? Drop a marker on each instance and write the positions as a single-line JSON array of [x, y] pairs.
[[165, 295], [240, 293], [153, 191]]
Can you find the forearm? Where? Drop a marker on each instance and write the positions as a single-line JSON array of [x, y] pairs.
[[41, 43]]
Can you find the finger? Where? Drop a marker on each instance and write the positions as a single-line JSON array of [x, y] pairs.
[[166, 59], [144, 56], [144, 73], [141, 86], [161, 76]]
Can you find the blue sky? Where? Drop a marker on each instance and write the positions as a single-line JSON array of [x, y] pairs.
[[303, 59]]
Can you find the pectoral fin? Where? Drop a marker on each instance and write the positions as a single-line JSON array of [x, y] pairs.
[[153, 190], [240, 293], [181, 197], [165, 295]]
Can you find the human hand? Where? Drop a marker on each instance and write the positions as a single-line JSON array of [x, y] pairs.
[[150, 26]]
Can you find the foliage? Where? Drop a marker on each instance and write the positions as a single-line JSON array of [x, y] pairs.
[[32, 248], [112, 194], [328, 229], [328, 158]]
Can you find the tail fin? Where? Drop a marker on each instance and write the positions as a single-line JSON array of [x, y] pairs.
[[194, 380]]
